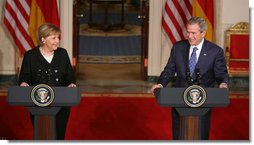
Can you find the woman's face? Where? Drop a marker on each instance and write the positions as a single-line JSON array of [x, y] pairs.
[[52, 41]]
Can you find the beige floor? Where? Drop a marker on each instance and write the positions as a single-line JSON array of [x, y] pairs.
[[109, 72], [111, 78]]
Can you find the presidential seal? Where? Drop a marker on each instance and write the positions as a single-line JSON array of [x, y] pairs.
[[42, 95], [194, 96]]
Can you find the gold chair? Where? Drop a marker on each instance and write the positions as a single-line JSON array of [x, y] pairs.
[[237, 49]]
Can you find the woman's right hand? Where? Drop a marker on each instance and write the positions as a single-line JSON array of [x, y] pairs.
[[154, 87], [24, 84]]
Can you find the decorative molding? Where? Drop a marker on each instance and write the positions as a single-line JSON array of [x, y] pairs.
[[109, 59], [239, 28], [152, 79], [8, 79]]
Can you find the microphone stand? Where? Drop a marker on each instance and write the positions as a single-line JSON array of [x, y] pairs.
[[188, 78], [198, 76]]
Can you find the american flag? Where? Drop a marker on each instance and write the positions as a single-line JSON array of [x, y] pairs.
[[178, 12], [23, 17], [16, 19], [175, 17]]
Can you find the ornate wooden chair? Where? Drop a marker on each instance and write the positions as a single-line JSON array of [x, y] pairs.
[[237, 49]]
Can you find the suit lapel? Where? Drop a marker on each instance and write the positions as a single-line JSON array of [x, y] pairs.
[[186, 55], [203, 56]]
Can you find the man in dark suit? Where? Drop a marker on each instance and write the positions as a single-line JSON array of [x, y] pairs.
[[209, 62]]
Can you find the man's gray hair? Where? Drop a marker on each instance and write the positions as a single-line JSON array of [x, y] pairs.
[[200, 21]]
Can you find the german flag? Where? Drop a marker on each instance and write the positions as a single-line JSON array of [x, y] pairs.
[[204, 8]]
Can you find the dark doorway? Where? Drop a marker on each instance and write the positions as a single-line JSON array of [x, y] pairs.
[[110, 43]]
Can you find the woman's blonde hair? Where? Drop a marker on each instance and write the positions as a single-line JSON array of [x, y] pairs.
[[46, 30]]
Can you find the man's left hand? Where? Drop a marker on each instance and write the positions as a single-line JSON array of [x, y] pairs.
[[72, 85], [223, 85]]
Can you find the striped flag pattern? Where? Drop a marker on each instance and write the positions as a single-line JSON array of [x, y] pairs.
[[178, 12], [23, 17]]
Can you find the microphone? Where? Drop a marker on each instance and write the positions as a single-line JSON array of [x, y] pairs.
[[44, 76], [188, 77], [198, 75]]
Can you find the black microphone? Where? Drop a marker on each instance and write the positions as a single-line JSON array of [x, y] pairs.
[[188, 77], [44, 76], [198, 75]]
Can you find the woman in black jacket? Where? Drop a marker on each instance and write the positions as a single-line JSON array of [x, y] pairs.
[[49, 64]]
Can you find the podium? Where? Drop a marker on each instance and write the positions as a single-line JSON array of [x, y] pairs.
[[189, 115], [44, 116]]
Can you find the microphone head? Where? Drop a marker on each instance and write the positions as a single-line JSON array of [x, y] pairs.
[[188, 72], [197, 71]]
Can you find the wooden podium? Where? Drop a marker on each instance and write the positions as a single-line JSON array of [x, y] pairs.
[[189, 115], [44, 116]]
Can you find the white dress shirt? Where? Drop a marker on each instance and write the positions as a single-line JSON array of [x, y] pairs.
[[199, 46]]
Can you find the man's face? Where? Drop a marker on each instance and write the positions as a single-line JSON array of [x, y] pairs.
[[194, 35]]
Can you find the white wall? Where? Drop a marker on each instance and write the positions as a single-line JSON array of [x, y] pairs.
[[155, 52], [65, 13]]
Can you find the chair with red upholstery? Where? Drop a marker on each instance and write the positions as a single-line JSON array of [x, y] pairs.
[[237, 49]]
